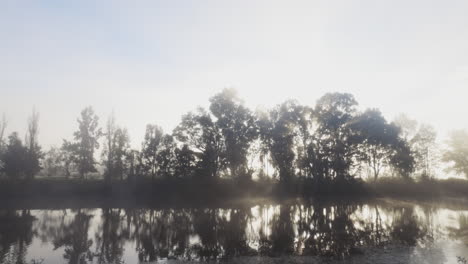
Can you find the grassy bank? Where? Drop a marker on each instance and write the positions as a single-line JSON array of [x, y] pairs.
[[212, 192], [401, 188]]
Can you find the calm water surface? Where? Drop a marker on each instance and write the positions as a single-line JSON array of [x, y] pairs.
[[430, 231]]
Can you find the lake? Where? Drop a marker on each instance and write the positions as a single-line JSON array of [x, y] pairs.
[[381, 230]]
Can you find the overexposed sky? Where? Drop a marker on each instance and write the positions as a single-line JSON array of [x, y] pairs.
[[152, 61]]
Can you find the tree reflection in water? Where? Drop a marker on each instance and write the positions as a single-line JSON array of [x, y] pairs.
[[16, 234], [74, 239], [316, 229]]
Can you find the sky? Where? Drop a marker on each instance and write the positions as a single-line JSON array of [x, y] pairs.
[[153, 61]]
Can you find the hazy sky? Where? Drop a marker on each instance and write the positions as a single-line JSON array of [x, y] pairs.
[[152, 61]]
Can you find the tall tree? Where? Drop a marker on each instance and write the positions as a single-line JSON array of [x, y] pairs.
[[122, 153], [87, 142], [402, 161], [166, 157], [424, 146], [237, 126], [70, 156], [457, 152], [421, 139], [184, 162], [109, 146], [32, 165], [277, 132], [151, 145], [116, 150], [333, 111], [205, 140], [377, 140]]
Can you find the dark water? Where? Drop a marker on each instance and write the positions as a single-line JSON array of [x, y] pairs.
[[330, 230]]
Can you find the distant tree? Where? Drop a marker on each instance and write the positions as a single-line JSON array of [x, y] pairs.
[[205, 140], [421, 139], [457, 152], [87, 142], [122, 152], [109, 147], [407, 125], [151, 145], [53, 162], [32, 164], [3, 125], [424, 147], [70, 156], [237, 125], [116, 150], [14, 157], [134, 163]]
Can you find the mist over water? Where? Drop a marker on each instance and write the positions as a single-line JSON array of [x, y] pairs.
[[411, 232]]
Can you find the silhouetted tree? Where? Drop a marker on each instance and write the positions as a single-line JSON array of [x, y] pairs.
[[184, 162], [377, 140], [87, 142], [457, 152], [237, 125], [205, 140], [166, 156], [278, 129], [333, 111], [402, 161], [151, 145]]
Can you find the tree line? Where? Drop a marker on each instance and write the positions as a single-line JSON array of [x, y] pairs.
[[330, 142]]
